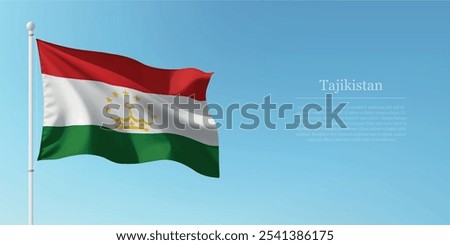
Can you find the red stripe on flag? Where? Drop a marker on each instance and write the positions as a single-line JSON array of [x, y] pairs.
[[121, 71]]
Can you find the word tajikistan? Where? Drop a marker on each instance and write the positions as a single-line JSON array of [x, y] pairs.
[[346, 85]]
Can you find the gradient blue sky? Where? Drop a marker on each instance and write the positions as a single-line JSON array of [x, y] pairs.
[[255, 49]]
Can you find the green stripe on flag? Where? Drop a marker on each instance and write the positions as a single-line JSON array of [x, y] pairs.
[[59, 142]]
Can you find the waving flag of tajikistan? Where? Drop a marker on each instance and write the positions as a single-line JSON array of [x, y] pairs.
[[120, 109]]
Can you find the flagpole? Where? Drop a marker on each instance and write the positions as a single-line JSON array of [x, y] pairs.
[[30, 27]]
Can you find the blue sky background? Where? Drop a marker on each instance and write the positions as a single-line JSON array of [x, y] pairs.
[[255, 49]]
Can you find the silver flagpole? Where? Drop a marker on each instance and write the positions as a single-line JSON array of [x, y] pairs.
[[30, 27]]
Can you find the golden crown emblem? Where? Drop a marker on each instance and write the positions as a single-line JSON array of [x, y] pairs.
[[130, 122]]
